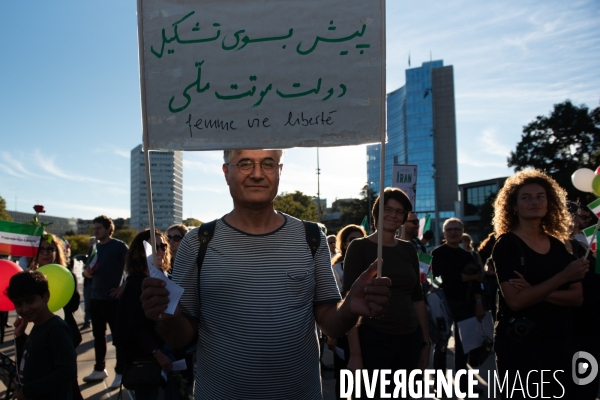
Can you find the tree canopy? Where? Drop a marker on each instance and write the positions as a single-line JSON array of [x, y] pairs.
[[561, 143], [298, 205], [4, 215]]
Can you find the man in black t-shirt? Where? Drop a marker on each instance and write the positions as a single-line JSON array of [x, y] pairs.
[[106, 271], [461, 277]]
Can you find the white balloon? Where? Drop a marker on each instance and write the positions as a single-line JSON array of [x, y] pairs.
[[582, 179]]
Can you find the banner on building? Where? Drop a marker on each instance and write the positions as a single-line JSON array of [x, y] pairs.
[[262, 74], [404, 177]]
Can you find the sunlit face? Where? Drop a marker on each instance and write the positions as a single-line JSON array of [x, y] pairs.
[[101, 232], [174, 237], [466, 241], [532, 202], [331, 244], [47, 253], [393, 215], [32, 309], [453, 232], [257, 189]]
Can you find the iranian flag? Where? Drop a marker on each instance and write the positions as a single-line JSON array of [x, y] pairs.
[[589, 235], [19, 239], [594, 206], [93, 263], [424, 262]]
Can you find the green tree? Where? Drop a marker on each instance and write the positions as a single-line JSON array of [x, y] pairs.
[[561, 143], [192, 222], [298, 205], [78, 243], [125, 234], [4, 215]]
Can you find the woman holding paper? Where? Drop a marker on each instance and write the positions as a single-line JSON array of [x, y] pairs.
[[135, 334], [539, 282], [400, 338]]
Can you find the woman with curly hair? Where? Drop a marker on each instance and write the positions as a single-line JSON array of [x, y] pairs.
[[135, 334], [539, 281]]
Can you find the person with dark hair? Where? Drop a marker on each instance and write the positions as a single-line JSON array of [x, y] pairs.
[[539, 281], [106, 271], [134, 333], [46, 357], [399, 340], [490, 284], [461, 276]]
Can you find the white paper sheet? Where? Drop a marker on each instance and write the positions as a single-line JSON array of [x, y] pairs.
[[175, 291], [472, 331]]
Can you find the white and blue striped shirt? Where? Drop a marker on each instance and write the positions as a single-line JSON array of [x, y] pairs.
[[256, 312]]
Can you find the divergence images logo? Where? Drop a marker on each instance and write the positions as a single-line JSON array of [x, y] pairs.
[[584, 363]]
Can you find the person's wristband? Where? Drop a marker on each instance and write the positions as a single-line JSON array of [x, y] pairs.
[[425, 344], [154, 351], [478, 302]]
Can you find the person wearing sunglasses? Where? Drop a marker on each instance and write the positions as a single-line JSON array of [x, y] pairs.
[[51, 251], [174, 234], [135, 335]]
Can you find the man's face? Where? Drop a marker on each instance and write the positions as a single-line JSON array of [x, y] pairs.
[[583, 218], [100, 231], [254, 188], [33, 308], [411, 226], [453, 232], [331, 244]]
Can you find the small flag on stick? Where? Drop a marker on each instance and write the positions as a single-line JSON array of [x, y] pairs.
[[424, 262], [594, 206], [21, 240], [93, 264]]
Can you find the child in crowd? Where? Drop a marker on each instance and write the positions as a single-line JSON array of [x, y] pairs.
[[46, 357]]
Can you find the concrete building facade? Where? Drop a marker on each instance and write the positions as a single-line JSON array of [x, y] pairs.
[[166, 174]]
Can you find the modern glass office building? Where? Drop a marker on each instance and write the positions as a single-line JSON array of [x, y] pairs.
[[166, 173], [421, 130]]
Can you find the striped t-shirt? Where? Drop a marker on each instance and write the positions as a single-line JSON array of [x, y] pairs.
[[256, 312]]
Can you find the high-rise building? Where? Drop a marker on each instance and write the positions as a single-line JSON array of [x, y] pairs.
[[421, 130], [166, 174]]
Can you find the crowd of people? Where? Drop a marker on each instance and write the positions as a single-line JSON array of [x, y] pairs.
[[257, 283]]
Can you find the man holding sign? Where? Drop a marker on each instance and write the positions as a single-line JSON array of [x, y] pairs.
[[260, 292]]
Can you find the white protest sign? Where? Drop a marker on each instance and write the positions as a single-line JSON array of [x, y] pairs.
[[405, 177], [232, 74]]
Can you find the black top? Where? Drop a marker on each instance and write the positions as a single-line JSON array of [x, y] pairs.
[[134, 331], [551, 320], [48, 361], [449, 263]]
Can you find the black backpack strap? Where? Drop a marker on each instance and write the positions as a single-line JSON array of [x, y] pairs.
[[205, 234], [313, 236]]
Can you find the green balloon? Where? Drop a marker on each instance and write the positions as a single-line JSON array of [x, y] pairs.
[[60, 284], [596, 185]]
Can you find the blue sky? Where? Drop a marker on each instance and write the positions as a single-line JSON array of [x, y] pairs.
[[69, 95]]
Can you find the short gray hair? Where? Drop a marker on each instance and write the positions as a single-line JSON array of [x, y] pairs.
[[228, 154], [446, 222]]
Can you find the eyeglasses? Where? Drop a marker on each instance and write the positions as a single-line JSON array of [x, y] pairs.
[[413, 221], [246, 167], [161, 247], [453, 229], [48, 250], [174, 238], [333, 242], [583, 216], [398, 211]]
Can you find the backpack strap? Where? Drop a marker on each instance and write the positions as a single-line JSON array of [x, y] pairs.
[[206, 232], [313, 236]]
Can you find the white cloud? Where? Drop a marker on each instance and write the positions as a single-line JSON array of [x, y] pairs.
[[490, 144], [48, 164]]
